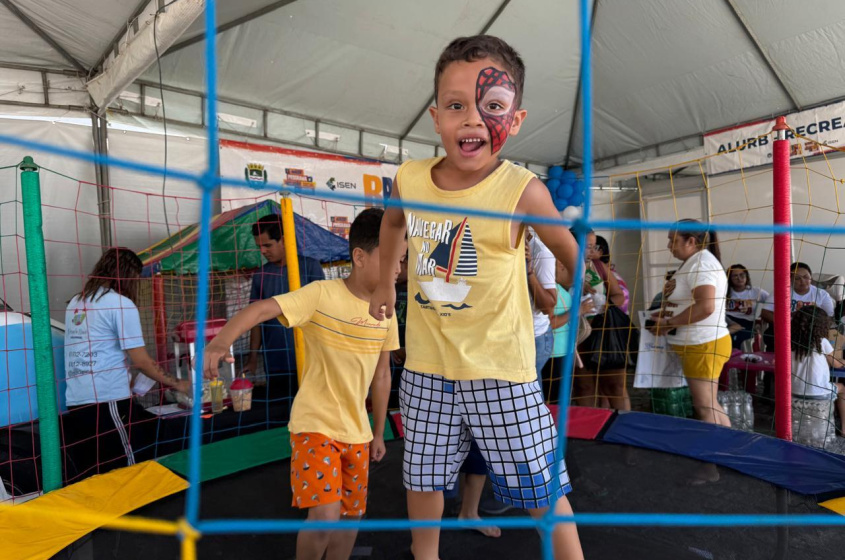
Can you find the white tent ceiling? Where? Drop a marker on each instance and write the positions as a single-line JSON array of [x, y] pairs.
[[663, 69]]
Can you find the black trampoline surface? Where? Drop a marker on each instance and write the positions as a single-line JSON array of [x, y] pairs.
[[608, 478]]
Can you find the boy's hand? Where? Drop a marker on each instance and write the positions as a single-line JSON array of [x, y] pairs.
[[377, 449], [383, 301], [211, 359]]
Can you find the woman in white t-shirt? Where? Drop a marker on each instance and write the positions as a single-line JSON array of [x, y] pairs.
[[102, 337], [812, 358], [742, 303], [693, 318], [803, 294]]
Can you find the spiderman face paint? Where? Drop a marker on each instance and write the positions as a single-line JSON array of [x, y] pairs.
[[494, 98]]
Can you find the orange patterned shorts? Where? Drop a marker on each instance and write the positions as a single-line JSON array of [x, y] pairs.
[[324, 471]]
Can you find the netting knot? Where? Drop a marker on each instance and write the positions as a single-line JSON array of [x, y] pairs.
[[186, 530], [580, 226]]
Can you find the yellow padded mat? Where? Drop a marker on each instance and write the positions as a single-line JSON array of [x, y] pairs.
[[836, 505], [42, 527]]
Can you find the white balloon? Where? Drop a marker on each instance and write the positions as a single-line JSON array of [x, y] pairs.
[[571, 213]]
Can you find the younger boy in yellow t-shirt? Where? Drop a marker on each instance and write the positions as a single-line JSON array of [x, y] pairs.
[[347, 352]]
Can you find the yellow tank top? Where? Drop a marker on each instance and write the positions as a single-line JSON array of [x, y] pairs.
[[469, 314]]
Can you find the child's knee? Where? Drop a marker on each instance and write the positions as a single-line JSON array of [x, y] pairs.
[[327, 512]]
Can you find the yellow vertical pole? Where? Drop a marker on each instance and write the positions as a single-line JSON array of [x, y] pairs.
[[292, 258]]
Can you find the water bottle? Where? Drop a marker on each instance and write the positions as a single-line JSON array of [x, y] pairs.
[[730, 408], [748, 414], [722, 399], [733, 379]]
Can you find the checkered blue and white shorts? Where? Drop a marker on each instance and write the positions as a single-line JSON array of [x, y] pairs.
[[509, 421]]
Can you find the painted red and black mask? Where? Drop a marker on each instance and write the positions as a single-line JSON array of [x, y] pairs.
[[495, 85]]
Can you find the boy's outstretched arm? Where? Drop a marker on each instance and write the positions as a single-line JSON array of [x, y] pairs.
[[536, 201], [391, 238], [380, 392], [248, 317]]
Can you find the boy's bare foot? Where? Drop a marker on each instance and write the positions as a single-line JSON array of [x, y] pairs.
[[491, 531]]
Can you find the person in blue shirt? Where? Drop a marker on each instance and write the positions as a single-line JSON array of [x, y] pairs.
[[272, 280], [103, 337]]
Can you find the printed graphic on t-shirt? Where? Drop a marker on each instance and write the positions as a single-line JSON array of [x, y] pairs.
[[79, 362], [446, 259]]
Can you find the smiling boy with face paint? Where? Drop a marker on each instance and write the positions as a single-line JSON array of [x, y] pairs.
[[470, 369]]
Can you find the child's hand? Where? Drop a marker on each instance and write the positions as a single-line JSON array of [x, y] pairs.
[[211, 359], [377, 449], [398, 356], [383, 301]]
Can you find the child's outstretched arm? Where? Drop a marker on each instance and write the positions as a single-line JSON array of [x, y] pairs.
[[536, 201], [391, 238], [380, 392], [248, 317]]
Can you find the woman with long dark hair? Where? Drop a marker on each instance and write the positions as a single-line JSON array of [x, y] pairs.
[[103, 329], [742, 304]]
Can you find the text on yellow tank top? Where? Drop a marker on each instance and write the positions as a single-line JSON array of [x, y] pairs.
[[469, 313]]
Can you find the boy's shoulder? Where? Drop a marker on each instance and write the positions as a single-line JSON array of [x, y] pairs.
[[419, 170]]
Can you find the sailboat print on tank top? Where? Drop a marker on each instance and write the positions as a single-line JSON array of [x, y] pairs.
[[454, 262]]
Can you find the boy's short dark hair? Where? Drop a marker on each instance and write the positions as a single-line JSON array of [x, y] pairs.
[[478, 47], [270, 224], [364, 230]]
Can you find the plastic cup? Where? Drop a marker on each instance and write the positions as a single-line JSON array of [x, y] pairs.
[[241, 399], [216, 387], [241, 392]]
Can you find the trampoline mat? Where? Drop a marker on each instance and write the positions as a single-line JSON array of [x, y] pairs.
[[606, 478]]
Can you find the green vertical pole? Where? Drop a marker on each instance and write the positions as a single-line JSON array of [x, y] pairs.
[[42, 343]]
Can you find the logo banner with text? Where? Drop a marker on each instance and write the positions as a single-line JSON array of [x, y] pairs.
[[825, 125], [274, 166]]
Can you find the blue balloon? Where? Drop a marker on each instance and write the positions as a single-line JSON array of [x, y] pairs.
[[565, 192], [568, 177], [578, 186], [553, 185], [555, 172], [561, 204], [577, 199]]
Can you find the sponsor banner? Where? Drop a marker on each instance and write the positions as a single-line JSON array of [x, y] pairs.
[[270, 167], [825, 125]]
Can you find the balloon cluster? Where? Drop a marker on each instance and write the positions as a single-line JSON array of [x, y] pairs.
[[565, 187]]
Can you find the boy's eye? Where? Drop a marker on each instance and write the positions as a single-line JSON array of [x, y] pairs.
[[495, 106], [455, 106]]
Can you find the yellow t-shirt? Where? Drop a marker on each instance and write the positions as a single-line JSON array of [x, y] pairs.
[[469, 313], [342, 347]]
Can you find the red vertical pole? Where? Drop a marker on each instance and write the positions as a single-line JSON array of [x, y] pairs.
[[783, 285], [160, 320]]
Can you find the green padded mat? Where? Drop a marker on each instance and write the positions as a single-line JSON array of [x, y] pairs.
[[233, 455]]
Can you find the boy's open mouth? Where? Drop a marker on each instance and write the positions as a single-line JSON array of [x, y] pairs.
[[471, 146]]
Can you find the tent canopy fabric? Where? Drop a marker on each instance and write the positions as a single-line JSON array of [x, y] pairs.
[[232, 245], [662, 70]]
